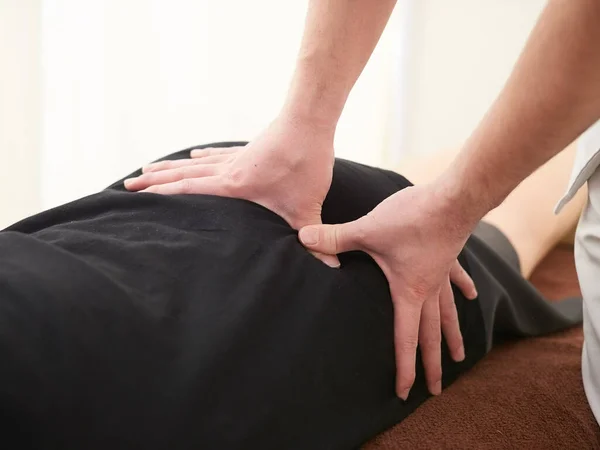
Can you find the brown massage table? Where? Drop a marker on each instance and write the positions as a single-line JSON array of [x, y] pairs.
[[525, 394]]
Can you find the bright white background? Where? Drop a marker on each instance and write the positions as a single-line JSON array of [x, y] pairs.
[[92, 89]]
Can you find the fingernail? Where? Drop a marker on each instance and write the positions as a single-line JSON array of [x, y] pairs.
[[474, 294], [309, 236], [195, 152], [404, 394], [461, 354], [334, 264], [128, 181], [437, 389]]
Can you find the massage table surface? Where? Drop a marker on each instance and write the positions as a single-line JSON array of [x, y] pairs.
[[524, 394]]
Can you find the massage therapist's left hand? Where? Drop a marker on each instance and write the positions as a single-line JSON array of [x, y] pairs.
[[287, 169], [407, 235]]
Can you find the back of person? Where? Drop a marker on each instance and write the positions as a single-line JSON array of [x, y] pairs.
[[146, 321]]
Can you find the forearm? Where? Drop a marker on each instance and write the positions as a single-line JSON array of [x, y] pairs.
[[339, 38], [552, 96]]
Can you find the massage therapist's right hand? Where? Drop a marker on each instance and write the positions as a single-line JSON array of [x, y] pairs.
[[415, 236], [288, 169]]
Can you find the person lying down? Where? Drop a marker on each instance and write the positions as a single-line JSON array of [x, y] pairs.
[[137, 320]]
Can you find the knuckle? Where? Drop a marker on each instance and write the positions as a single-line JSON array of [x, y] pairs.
[[433, 328], [186, 172], [408, 345], [144, 178], [406, 380], [236, 177], [148, 179], [184, 186], [335, 239], [431, 340], [448, 315], [447, 305], [418, 291]]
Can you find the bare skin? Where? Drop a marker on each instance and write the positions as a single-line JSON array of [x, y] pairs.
[[526, 216], [552, 96]]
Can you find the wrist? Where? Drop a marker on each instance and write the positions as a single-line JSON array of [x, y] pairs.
[[303, 139], [308, 128], [462, 200], [313, 98]]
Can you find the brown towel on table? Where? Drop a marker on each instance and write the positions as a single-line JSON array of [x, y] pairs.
[[524, 394]]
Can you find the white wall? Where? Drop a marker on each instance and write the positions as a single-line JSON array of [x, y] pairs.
[[462, 52], [19, 109], [127, 81]]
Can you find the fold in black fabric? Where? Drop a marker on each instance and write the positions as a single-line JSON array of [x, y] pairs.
[[134, 320]]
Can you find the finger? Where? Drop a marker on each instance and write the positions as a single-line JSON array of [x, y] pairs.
[[213, 159], [450, 324], [170, 176], [332, 239], [463, 281], [166, 165], [330, 260], [430, 342], [406, 336], [208, 185], [314, 218], [213, 151]]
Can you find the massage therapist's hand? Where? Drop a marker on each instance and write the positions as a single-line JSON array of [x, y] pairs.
[[408, 236], [287, 169]]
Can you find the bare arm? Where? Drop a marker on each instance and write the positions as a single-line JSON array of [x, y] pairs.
[[288, 168], [552, 96], [339, 38]]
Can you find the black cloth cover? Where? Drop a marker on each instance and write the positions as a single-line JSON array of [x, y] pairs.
[[141, 321]]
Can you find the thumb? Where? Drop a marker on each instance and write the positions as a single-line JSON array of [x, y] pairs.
[[330, 239], [329, 259]]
